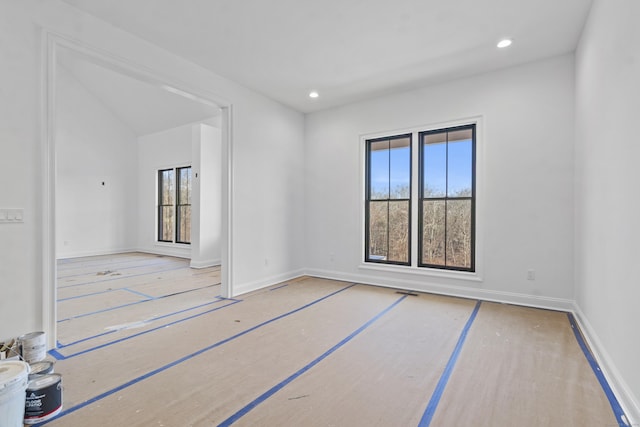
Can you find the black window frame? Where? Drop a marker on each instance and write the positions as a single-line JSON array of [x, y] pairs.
[[180, 204], [368, 200], [446, 198], [175, 238]]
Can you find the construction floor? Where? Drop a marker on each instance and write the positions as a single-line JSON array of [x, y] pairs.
[[146, 341]]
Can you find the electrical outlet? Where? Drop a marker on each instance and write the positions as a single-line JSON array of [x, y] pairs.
[[531, 275]]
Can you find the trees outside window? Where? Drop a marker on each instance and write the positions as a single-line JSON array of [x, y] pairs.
[[174, 205], [445, 227]]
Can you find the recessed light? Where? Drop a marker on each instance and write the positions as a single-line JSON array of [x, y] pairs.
[[313, 94], [504, 43]]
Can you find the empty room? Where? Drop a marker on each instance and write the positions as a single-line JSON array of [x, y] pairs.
[[286, 213]]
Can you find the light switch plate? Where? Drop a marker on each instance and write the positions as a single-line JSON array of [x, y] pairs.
[[8, 216]]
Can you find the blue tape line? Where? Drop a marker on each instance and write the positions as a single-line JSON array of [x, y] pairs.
[[155, 319], [279, 287], [189, 356], [110, 343], [117, 307], [110, 278], [242, 412], [621, 418], [86, 295], [444, 378], [56, 354], [139, 293]]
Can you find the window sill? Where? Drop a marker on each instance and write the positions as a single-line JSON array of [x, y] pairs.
[[423, 271]]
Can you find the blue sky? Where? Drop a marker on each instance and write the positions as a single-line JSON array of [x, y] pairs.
[[393, 166]]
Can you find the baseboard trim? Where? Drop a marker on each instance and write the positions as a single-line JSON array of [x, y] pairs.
[[72, 255], [205, 263], [243, 288], [455, 291], [623, 393]]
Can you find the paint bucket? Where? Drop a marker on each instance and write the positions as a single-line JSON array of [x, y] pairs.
[[41, 368], [33, 346], [13, 383], [44, 398]]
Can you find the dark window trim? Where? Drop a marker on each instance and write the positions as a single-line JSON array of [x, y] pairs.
[[421, 198], [179, 205], [175, 205], [368, 200]]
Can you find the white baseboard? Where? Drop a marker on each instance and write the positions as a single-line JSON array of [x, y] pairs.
[[80, 254], [626, 398], [455, 291], [205, 263], [167, 251], [244, 288]]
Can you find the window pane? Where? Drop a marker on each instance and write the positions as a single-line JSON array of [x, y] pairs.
[[459, 233], [433, 232], [184, 224], [434, 163], [378, 230], [166, 187], [398, 231], [379, 170], [400, 168], [460, 164], [184, 192], [166, 223]]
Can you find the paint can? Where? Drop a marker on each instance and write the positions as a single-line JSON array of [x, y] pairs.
[[44, 398], [33, 346], [13, 383], [41, 368]]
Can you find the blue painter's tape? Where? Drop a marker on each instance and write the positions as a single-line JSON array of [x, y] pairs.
[[444, 378], [120, 268], [279, 287], [242, 412], [57, 355], [190, 356], [103, 310], [110, 343], [138, 293], [621, 418], [155, 319], [87, 295]]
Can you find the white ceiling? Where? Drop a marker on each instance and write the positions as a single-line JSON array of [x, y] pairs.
[[144, 108], [348, 50]]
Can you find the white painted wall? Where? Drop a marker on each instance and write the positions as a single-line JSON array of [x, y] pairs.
[[206, 211], [526, 217], [607, 229], [162, 150], [267, 152], [93, 147]]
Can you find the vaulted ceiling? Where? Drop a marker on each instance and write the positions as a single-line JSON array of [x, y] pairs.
[[348, 50]]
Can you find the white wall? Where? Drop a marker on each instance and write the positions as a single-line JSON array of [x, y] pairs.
[[93, 147], [206, 211], [267, 152], [607, 206], [526, 142], [162, 150]]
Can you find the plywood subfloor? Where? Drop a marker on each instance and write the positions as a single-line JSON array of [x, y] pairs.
[[309, 352]]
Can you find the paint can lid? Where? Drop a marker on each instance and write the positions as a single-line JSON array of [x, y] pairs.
[[43, 367], [37, 382], [13, 372]]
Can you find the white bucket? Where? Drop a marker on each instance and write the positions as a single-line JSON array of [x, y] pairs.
[[13, 385], [33, 347]]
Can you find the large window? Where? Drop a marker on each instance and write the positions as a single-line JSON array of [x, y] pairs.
[[444, 200], [447, 198], [174, 205], [388, 209]]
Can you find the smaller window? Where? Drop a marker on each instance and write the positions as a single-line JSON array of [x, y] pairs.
[[388, 200], [174, 205]]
